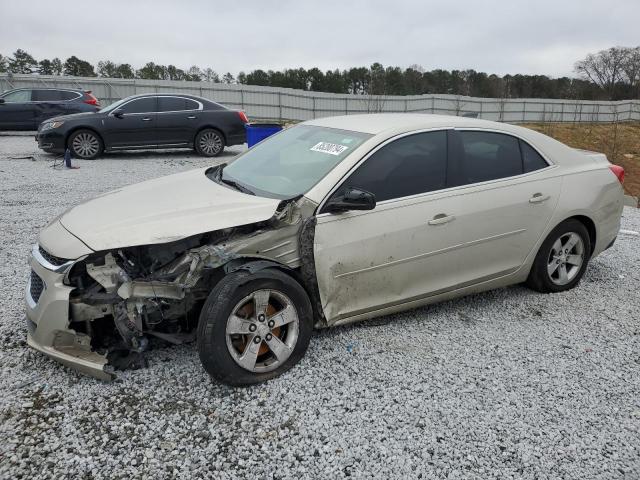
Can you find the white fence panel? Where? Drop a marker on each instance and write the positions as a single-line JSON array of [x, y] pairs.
[[280, 104]]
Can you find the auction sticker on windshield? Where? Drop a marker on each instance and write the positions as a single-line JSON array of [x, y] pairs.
[[330, 148]]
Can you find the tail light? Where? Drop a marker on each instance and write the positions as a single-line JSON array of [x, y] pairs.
[[243, 117], [91, 99], [618, 171]]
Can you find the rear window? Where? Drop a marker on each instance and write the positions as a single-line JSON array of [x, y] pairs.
[[171, 104], [65, 95], [47, 96], [531, 160], [191, 105]]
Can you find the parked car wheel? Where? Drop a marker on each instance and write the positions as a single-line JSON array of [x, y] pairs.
[[209, 142], [562, 258], [85, 144], [254, 327]]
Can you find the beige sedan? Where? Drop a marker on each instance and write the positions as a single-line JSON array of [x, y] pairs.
[[331, 221]]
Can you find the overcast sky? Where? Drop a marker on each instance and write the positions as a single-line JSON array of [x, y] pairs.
[[495, 36]]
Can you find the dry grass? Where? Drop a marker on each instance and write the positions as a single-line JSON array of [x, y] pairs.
[[620, 142]]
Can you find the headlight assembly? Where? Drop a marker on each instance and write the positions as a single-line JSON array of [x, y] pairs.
[[51, 125]]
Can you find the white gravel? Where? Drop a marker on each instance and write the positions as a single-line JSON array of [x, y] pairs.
[[505, 384]]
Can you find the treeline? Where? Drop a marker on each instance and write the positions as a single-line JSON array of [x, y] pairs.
[[609, 74]]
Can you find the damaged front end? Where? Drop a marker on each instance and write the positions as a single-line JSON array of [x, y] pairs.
[[101, 312]]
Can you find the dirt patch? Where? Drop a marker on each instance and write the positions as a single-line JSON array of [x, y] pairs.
[[620, 142]]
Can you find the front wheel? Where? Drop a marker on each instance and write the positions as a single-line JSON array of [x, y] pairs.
[[85, 144], [562, 258], [254, 327], [209, 143]]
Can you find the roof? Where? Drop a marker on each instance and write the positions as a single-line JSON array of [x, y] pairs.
[[375, 123]]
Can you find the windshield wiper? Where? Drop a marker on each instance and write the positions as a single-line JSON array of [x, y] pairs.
[[236, 185], [232, 183]]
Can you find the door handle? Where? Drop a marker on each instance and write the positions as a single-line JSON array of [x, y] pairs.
[[191, 117], [539, 198], [441, 219], [146, 119]]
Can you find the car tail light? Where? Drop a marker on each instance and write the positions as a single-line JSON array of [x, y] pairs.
[[91, 100], [618, 171], [243, 117]]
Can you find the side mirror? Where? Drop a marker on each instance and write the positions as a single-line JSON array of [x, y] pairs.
[[1, 101], [352, 199], [118, 113]]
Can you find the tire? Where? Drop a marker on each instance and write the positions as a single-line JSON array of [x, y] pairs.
[[85, 144], [546, 274], [209, 143], [248, 358]]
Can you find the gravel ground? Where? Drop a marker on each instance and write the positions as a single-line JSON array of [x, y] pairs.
[[505, 384]]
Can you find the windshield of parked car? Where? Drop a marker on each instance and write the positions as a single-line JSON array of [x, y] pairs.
[[289, 163]]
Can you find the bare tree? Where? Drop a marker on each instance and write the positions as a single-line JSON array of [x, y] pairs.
[[631, 70], [604, 68]]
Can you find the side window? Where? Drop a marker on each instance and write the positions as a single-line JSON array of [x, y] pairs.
[[191, 104], [46, 96], [408, 166], [66, 95], [531, 160], [477, 156], [142, 105], [18, 96], [171, 104]]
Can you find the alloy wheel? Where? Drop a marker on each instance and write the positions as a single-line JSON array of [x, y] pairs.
[[210, 143], [262, 330], [85, 145], [565, 258]]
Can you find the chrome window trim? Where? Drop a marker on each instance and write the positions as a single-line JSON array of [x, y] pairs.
[[200, 105], [45, 88], [433, 192]]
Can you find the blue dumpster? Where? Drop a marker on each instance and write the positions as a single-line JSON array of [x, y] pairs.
[[256, 132]]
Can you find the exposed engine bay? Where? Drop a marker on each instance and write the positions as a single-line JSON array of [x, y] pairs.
[[124, 299]]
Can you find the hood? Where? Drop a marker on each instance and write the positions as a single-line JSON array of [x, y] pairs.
[[163, 210], [71, 116]]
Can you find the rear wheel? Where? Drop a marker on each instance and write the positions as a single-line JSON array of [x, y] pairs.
[[209, 143], [254, 327], [85, 144], [562, 258]]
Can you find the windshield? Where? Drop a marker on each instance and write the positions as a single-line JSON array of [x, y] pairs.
[[114, 105], [291, 162]]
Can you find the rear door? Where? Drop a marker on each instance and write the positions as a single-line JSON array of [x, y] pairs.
[[505, 194], [72, 102], [18, 112], [47, 103], [135, 126], [177, 120]]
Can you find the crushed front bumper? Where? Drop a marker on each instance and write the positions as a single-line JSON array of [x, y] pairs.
[[48, 322]]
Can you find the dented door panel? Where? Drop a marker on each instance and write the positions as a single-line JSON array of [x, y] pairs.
[[396, 253]]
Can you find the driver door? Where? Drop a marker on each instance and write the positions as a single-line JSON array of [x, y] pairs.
[[133, 124], [368, 259], [18, 112]]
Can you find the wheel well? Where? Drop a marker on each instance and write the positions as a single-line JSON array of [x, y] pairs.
[[74, 130], [591, 228], [210, 127]]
